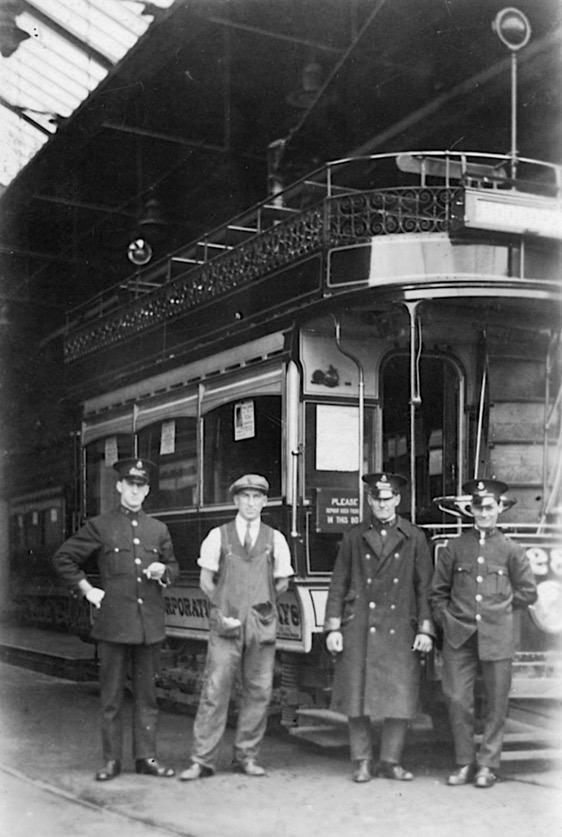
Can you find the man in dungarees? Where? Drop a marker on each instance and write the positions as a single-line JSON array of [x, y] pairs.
[[245, 567]]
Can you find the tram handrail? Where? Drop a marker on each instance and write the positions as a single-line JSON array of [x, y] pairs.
[[319, 185]]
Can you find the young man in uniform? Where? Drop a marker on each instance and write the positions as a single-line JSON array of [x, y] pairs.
[[245, 567], [136, 561], [378, 625], [480, 578]]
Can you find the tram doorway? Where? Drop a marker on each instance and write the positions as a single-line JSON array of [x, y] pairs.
[[424, 440]]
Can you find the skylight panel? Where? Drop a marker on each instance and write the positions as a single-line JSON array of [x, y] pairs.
[[20, 142], [72, 45]]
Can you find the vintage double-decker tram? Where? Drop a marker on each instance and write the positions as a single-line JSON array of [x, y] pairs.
[[397, 312]]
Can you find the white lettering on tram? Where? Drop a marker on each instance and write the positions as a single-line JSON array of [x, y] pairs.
[[543, 561]]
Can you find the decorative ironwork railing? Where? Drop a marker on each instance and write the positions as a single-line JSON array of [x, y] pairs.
[[337, 221], [324, 210]]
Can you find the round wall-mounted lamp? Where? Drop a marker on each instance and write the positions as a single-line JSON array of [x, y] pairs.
[[139, 252], [512, 28]]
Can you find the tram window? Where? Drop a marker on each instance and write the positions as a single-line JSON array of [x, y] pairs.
[[331, 445], [101, 455], [17, 534], [172, 445], [52, 526], [242, 437], [34, 539], [436, 430]]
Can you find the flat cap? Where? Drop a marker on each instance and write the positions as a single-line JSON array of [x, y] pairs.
[[480, 489], [253, 481], [381, 483], [140, 471]]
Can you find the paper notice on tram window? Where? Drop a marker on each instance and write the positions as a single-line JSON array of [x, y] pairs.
[[244, 420], [337, 438], [168, 437], [111, 452]]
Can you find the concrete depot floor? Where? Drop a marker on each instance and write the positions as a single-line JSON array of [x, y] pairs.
[[51, 750]]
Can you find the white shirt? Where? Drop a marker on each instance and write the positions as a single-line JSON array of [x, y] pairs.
[[211, 548]]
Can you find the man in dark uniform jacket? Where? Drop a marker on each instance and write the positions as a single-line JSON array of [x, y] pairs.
[[378, 625], [480, 578], [136, 561]]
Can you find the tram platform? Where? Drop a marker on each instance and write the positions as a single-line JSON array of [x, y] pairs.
[[49, 652]]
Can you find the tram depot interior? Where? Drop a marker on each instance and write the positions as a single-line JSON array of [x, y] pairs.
[[135, 128]]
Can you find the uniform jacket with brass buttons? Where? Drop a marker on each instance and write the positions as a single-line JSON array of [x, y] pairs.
[[378, 598], [124, 544], [478, 582]]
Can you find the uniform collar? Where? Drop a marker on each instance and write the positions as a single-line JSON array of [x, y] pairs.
[[379, 525], [485, 535], [128, 512]]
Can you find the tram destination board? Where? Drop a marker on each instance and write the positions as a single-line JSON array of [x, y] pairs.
[[509, 212]]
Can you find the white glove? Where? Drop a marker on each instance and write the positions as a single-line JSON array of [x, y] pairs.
[[334, 642], [155, 571], [95, 596]]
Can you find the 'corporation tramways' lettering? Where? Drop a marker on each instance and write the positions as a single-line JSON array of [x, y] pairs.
[[186, 606]]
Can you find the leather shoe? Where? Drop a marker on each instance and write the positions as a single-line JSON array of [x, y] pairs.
[[485, 778], [250, 768], [150, 767], [110, 770], [196, 771], [462, 775], [387, 770], [362, 772]]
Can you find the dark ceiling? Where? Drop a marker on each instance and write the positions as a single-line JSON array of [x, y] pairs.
[[186, 120]]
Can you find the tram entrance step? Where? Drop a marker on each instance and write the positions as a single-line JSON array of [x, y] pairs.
[[328, 729], [322, 735]]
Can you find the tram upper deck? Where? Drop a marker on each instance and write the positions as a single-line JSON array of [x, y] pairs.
[[338, 231]]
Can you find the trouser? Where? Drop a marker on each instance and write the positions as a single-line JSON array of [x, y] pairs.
[[115, 660], [225, 656], [392, 739], [460, 666]]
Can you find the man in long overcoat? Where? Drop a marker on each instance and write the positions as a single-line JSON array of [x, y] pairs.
[[378, 626], [136, 561]]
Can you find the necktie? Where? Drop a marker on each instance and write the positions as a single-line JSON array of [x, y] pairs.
[[248, 539]]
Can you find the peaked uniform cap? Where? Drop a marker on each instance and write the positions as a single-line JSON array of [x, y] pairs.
[[137, 470], [384, 482], [480, 489], [252, 481]]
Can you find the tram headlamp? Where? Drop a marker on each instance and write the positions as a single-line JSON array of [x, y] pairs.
[[546, 613]]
